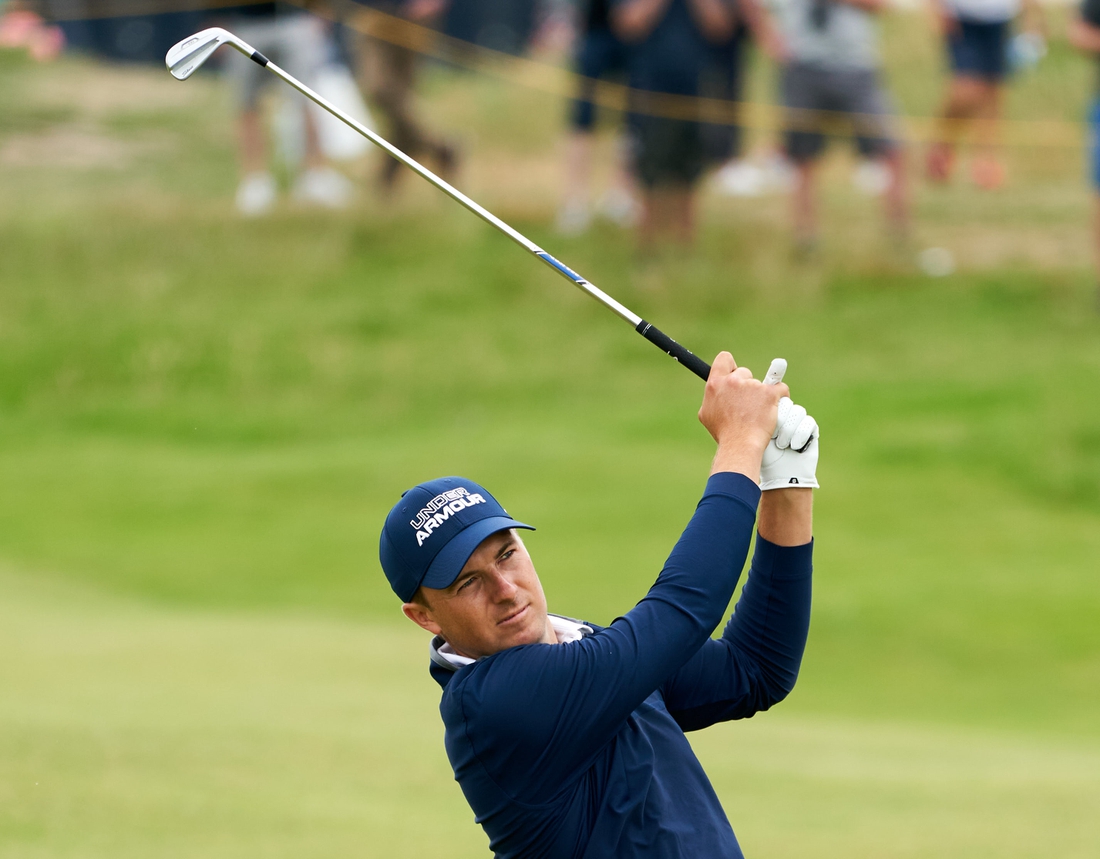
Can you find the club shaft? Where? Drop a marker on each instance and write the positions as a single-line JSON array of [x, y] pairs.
[[662, 341]]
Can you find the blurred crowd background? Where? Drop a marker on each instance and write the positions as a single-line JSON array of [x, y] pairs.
[[672, 79]]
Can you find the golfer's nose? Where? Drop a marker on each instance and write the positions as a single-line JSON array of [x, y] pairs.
[[503, 588]]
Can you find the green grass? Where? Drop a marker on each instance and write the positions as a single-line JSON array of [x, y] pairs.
[[204, 420], [214, 733]]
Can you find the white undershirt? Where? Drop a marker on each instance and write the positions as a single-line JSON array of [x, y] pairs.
[[565, 629]]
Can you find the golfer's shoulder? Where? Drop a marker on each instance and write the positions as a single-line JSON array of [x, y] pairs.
[[512, 687]]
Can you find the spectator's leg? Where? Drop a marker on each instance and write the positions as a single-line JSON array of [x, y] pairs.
[[620, 203], [404, 69], [574, 215], [805, 205], [298, 43], [864, 96], [402, 93], [578, 162], [313, 158], [896, 198], [655, 158], [804, 94], [645, 220], [681, 207], [668, 213], [388, 75], [256, 191], [965, 96], [988, 171], [650, 226], [590, 62], [303, 53], [252, 142], [379, 79]]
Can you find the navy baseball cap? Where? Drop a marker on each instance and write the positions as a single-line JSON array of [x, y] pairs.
[[431, 532]]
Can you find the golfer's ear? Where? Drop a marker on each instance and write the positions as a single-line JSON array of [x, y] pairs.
[[421, 616]]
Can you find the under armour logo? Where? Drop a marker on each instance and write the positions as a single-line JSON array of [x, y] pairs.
[[793, 480]]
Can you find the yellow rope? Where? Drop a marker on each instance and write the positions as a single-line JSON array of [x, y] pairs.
[[765, 117], [557, 81]]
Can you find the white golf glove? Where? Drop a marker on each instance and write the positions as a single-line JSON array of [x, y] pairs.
[[791, 456]]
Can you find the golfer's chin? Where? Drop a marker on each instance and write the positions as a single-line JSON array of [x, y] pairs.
[[524, 626]]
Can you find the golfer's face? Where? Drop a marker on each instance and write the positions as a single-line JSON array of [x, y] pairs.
[[495, 603]]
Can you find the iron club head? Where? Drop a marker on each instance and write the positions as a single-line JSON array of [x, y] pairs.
[[186, 56]]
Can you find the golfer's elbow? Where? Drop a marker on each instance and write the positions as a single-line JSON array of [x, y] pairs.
[[780, 691], [777, 691], [775, 685]]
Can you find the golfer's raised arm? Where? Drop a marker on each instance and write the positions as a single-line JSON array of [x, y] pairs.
[[755, 664], [588, 688], [756, 661]]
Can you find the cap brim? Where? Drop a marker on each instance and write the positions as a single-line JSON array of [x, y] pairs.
[[446, 566]]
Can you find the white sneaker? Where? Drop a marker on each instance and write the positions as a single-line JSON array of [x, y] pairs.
[[323, 186], [779, 173], [740, 179], [256, 194], [573, 218], [871, 178], [619, 206]]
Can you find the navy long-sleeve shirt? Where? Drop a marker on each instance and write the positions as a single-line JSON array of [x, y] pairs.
[[578, 749]]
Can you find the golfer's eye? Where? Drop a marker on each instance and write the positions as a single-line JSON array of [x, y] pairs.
[[465, 584]]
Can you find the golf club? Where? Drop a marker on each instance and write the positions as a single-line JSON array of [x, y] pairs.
[[184, 58]]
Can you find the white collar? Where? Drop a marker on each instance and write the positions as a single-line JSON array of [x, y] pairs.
[[565, 628]]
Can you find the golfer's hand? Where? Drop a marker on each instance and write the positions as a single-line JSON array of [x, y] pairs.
[[790, 459], [740, 414]]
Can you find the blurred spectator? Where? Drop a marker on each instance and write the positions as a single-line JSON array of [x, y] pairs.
[[22, 27], [132, 32], [738, 175], [555, 26], [387, 74], [599, 54], [977, 35], [724, 78], [294, 40], [833, 73], [1084, 34], [500, 25], [671, 42]]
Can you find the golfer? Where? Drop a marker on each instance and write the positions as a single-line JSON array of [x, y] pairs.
[[568, 738]]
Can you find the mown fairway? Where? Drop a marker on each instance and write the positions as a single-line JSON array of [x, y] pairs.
[[203, 421]]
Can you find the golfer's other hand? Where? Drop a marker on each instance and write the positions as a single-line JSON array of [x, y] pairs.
[[740, 413]]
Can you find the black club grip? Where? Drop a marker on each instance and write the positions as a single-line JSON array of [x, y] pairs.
[[670, 347]]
